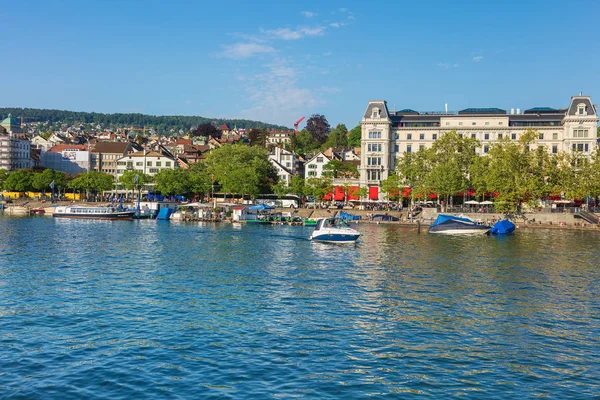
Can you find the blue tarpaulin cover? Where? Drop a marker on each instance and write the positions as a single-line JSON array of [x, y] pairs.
[[441, 218], [260, 207], [503, 227], [349, 217]]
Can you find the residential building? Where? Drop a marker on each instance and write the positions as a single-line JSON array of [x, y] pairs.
[[150, 163], [69, 158], [387, 135], [280, 137], [105, 155], [15, 148], [313, 168], [285, 162]]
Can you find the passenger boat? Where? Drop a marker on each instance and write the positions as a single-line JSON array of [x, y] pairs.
[[92, 213], [452, 225], [334, 230]]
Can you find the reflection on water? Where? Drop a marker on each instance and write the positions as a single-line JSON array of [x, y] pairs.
[[131, 309]]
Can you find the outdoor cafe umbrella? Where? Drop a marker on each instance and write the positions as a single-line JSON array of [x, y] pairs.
[[472, 202], [486, 203]]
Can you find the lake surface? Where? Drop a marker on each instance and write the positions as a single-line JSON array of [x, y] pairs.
[[117, 309]]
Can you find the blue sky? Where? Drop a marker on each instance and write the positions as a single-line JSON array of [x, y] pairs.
[[278, 60]]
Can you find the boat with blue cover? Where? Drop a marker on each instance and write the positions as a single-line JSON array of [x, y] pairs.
[[334, 230], [453, 225], [503, 227]]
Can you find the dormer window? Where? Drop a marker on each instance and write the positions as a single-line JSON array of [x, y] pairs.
[[375, 112], [581, 109]]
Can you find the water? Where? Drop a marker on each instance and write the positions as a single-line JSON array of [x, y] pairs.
[[100, 309]]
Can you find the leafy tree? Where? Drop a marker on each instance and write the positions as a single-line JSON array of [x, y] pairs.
[[337, 137], [200, 178], [413, 169], [355, 136], [241, 169], [304, 142], [92, 181], [258, 137], [19, 181], [598, 132], [391, 187], [318, 127], [297, 185], [46, 135], [206, 130], [3, 176], [173, 181], [41, 181], [337, 168], [319, 187], [280, 188], [128, 179], [363, 193]]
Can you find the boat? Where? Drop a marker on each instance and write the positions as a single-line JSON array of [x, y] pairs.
[[334, 230], [92, 213], [453, 225], [310, 222], [503, 227], [16, 210]]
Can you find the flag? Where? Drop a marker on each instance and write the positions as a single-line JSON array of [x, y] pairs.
[[52, 185], [135, 180]]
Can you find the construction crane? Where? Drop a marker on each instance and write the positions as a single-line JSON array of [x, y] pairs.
[[298, 123]]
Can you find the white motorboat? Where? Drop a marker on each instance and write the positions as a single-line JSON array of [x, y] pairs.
[[334, 230]]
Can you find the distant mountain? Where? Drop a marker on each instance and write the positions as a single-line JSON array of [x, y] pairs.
[[162, 124]]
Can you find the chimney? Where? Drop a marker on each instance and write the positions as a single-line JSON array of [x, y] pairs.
[[512, 111], [518, 111]]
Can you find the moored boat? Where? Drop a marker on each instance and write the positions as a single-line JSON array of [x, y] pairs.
[[334, 230], [503, 227], [452, 225], [92, 213]]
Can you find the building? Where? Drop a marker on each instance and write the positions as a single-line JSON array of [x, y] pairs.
[[69, 158], [105, 155], [150, 163], [386, 135], [15, 148], [313, 168], [275, 137]]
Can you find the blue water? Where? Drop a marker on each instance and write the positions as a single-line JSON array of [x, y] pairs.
[[153, 309]]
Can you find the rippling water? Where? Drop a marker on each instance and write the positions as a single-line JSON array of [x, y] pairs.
[[100, 309]]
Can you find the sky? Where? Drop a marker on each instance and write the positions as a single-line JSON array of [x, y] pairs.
[[276, 61]]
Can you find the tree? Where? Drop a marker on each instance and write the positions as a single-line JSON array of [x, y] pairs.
[[128, 179], [318, 127], [41, 181], [200, 178], [355, 136], [241, 169], [319, 187], [337, 137], [206, 130], [3, 176], [19, 181], [258, 137], [391, 186], [280, 188], [92, 181], [297, 185], [336, 168], [304, 143], [412, 170], [173, 181]]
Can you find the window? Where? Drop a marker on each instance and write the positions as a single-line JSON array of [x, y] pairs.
[[580, 133], [409, 136], [121, 163], [421, 136], [159, 164], [513, 136], [554, 149], [473, 136], [499, 136], [473, 123], [541, 136], [129, 164], [375, 112], [396, 148], [408, 148], [434, 136], [447, 123], [460, 123], [319, 159], [486, 136], [421, 146], [460, 135], [312, 166], [149, 163], [139, 164], [486, 149], [312, 173], [499, 123], [487, 123], [374, 135], [555, 136], [167, 163]]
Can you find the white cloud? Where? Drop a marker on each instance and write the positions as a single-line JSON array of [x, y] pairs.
[[245, 50], [477, 58], [309, 14], [290, 34], [448, 65], [336, 24], [327, 54]]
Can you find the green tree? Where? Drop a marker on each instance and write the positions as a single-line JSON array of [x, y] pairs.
[[41, 181], [258, 137], [413, 169], [319, 187], [337, 137], [304, 143], [92, 182], [280, 188], [297, 185], [173, 181], [241, 169], [336, 169], [128, 179], [3, 176], [19, 181], [200, 178], [355, 136], [390, 186]]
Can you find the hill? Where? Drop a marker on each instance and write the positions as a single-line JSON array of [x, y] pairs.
[[161, 124]]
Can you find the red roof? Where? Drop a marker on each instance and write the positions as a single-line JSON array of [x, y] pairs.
[[224, 127], [62, 147], [183, 141]]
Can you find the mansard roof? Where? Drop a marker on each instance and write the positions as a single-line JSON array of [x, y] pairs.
[[381, 104], [575, 100]]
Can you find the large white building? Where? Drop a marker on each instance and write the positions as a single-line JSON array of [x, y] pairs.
[[15, 148], [387, 135], [150, 163]]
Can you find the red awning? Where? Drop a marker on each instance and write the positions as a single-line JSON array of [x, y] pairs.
[[406, 193], [432, 196], [394, 193], [374, 193], [353, 193], [339, 193], [328, 196]]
